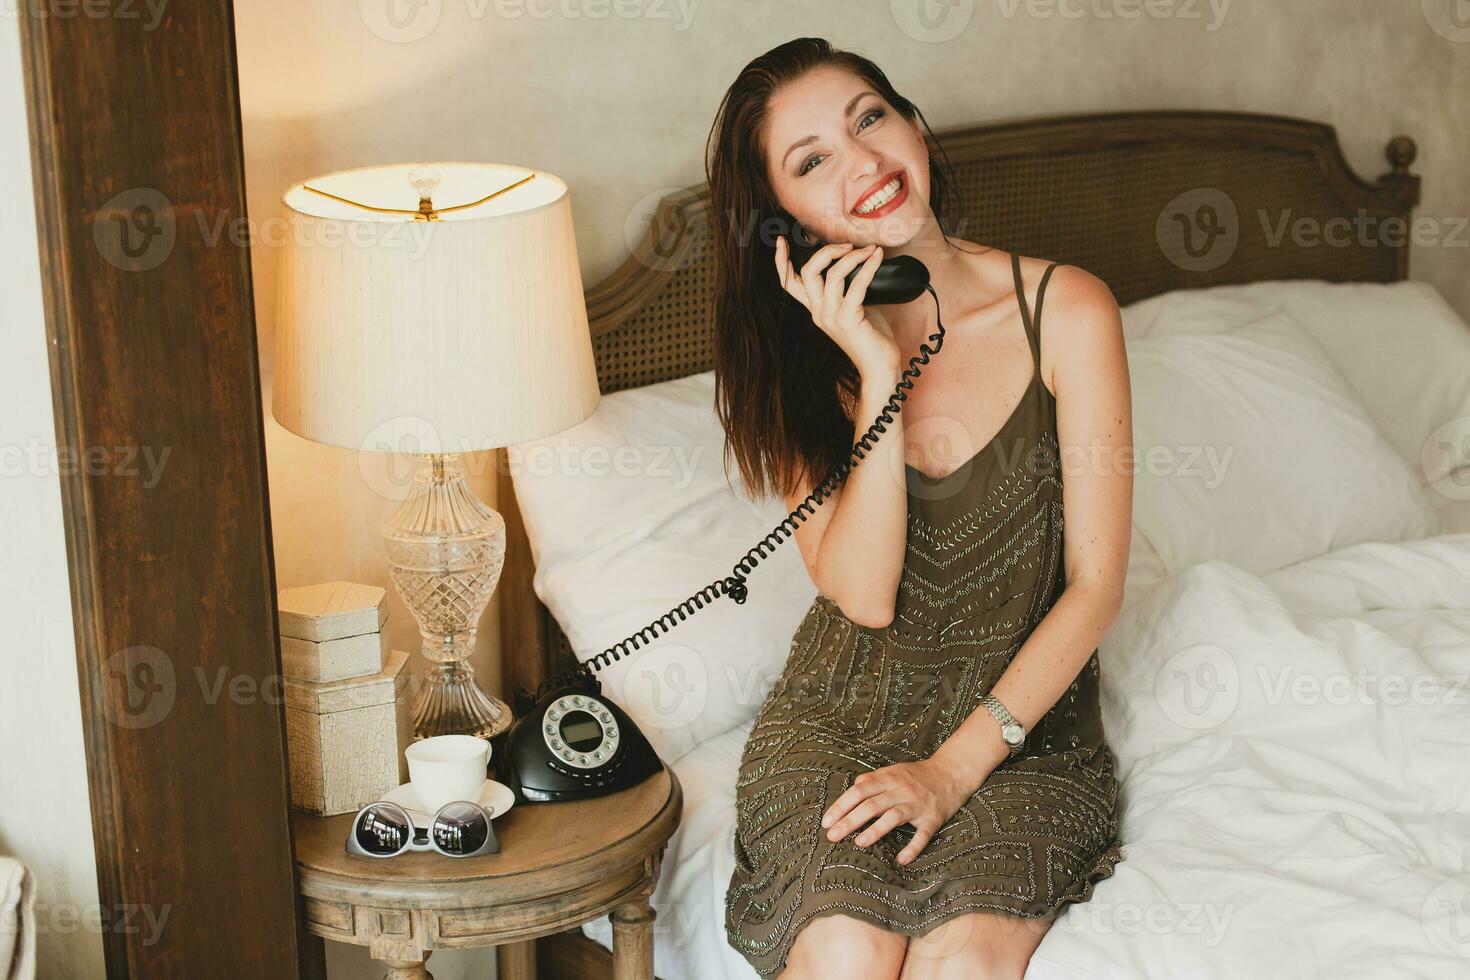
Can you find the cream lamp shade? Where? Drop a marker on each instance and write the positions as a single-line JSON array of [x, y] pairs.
[[431, 308], [435, 309]]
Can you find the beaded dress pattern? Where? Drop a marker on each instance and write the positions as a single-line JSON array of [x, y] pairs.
[[982, 566]]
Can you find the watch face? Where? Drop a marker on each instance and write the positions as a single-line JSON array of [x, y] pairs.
[[1012, 733]]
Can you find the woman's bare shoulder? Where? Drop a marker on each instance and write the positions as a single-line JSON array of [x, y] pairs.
[[1079, 318]]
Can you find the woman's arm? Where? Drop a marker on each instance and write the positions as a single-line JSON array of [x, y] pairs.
[[1095, 435], [853, 544]]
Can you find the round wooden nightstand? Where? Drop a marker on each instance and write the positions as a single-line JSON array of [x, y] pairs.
[[559, 865]]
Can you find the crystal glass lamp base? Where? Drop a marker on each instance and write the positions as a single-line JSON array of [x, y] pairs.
[[446, 550], [451, 703]]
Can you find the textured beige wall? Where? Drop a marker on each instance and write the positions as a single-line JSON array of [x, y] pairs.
[[617, 98]]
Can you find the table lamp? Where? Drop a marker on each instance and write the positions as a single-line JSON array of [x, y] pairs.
[[435, 309]]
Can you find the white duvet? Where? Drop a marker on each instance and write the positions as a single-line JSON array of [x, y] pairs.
[[1294, 756]]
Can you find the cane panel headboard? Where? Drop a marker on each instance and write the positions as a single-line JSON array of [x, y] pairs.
[[1147, 201]]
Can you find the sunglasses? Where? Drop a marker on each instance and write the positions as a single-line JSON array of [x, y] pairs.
[[384, 830]]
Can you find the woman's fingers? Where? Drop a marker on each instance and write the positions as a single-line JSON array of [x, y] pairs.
[[848, 262], [857, 293], [891, 818], [786, 273], [820, 284], [836, 280], [862, 787], [811, 273], [857, 817], [915, 846], [892, 797]]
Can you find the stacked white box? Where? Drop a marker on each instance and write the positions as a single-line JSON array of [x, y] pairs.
[[333, 631], [346, 711]]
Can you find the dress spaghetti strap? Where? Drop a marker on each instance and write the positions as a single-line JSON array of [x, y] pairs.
[[1033, 327]]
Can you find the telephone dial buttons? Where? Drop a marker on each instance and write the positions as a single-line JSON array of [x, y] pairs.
[[581, 732], [603, 775]]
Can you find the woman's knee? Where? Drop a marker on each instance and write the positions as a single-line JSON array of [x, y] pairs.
[[836, 945], [974, 946]]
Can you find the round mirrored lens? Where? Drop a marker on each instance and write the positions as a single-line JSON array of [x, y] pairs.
[[461, 828], [383, 829]]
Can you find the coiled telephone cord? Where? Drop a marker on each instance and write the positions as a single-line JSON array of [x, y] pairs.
[[733, 585]]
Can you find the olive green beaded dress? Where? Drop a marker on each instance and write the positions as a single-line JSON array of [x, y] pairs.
[[983, 565]]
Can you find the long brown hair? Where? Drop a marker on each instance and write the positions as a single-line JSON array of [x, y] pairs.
[[780, 381]]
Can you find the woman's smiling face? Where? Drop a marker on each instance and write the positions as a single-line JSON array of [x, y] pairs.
[[844, 162]]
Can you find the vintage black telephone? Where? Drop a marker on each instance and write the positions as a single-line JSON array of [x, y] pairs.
[[901, 279], [571, 742]]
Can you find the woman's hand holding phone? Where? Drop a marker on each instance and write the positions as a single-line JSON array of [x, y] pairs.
[[863, 334]]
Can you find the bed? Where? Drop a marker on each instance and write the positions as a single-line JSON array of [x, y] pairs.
[[1275, 822]]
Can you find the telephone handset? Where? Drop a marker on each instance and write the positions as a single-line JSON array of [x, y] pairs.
[[572, 742], [901, 279]]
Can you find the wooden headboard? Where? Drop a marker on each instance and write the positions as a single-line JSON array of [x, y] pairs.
[[1109, 192]]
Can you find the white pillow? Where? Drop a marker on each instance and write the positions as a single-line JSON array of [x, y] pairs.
[[1403, 351], [1251, 449], [628, 515]]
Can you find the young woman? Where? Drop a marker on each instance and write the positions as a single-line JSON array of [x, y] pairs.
[[886, 825]]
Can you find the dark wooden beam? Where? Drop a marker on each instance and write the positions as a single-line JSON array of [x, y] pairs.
[[135, 131]]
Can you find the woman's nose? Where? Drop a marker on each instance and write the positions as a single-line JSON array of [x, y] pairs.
[[863, 162], [865, 165]]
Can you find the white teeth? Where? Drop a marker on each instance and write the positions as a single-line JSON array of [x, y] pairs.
[[881, 198]]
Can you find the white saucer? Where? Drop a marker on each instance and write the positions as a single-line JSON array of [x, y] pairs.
[[495, 797]]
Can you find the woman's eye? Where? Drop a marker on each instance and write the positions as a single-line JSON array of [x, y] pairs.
[[810, 161]]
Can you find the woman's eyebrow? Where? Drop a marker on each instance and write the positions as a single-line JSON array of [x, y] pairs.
[[852, 104]]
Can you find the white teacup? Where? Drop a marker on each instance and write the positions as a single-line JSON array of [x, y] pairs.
[[447, 768]]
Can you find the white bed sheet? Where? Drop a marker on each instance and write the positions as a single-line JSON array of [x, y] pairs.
[[1315, 829], [689, 931]]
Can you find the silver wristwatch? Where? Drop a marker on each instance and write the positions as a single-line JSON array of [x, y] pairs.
[[1011, 730]]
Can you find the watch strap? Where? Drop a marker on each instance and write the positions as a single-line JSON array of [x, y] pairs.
[[1003, 718]]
